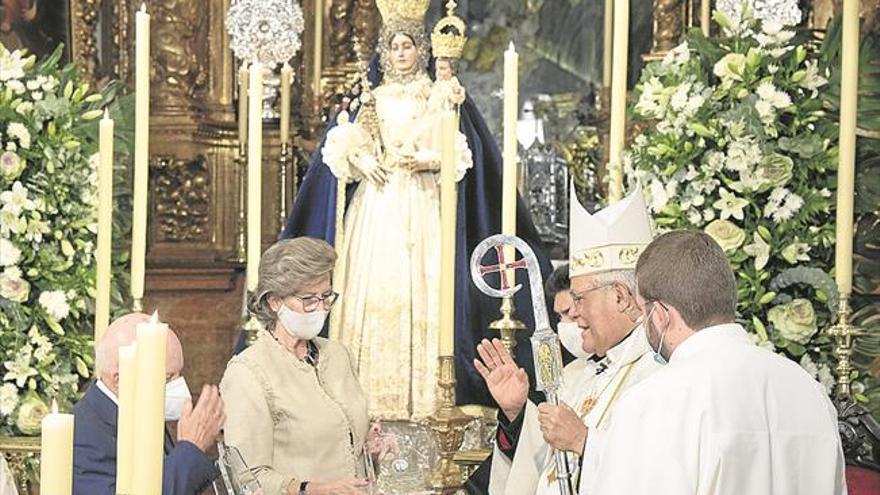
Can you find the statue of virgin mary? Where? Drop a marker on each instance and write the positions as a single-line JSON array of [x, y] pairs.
[[384, 149]]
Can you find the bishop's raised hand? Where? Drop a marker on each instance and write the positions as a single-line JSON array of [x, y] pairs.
[[507, 382]]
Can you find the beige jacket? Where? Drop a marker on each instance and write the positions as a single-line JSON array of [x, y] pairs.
[[290, 422]]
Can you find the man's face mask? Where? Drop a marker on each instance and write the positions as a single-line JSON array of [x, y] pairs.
[[571, 338], [649, 323], [176, 395]]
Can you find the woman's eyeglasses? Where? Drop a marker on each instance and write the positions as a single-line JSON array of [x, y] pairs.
[[311, 303]]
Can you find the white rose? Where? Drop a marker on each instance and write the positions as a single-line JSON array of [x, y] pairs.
[[9, 254], [13, 287], [55, 303], [8, 399], [20, 132]]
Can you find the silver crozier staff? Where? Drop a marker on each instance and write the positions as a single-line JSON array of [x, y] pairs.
[[545, 343]]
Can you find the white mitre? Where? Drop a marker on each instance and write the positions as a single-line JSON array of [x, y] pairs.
[[610, 239]]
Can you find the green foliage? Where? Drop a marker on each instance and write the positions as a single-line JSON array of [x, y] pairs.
[[48, 206]]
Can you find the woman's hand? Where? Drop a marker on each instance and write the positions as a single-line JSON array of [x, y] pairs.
[[379, 444], [371, 169], [347, 486]]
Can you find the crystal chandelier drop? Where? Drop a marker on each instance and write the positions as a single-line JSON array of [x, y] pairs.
[[265, 31], [782, 12]]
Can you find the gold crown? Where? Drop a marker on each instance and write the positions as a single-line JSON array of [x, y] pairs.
[[392, 10], [449, 44]]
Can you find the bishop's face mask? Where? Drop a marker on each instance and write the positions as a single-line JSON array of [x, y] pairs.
[[571, 339], [649, 323], [176, 395], [304, 326]]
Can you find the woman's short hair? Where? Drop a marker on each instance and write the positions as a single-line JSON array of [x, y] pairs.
[[286, 267]]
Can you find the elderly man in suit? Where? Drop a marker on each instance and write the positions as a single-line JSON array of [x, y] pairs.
[[187, 469]]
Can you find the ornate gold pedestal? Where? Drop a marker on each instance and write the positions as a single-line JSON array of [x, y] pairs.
[[844, 334], [448, 426], [507, 324]]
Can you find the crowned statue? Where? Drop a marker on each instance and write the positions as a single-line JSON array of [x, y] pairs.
[[373, 190]]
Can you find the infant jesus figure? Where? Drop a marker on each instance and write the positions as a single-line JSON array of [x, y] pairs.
[[447, 92]]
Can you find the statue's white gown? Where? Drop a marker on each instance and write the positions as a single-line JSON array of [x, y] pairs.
[[390, 258]]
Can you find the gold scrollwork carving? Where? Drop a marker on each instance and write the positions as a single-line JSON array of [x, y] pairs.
[[83, 43], [340, 33], [629, 255], [179, 51], [183, 198], [667, 26], [590, 259], [22, 455]]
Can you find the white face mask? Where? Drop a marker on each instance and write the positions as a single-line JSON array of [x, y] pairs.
[[304, 326], [570, 336], [176, 395]]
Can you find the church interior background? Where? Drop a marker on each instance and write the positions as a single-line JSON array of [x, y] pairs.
[[195, 250]]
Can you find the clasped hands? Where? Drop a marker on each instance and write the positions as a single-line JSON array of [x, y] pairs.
[[377, 174], [561, 427]]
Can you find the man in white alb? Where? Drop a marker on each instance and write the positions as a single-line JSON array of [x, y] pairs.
[[724, 417], [603, 251]]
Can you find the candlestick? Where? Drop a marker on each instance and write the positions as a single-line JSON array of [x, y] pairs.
[[56, 453], [286, 75], [447, 424], [283, 184], [149, 434], [511, 99], [607, 43], [846, 168], [618, 100], [141, 154], [254, 175], [319, 47], [448, 214], [103, 254], [126, 418], [705, 16], [243, 76]]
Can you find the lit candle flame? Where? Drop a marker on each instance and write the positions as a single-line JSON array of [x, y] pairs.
[[54, 406], [155, 318], [144, 7]]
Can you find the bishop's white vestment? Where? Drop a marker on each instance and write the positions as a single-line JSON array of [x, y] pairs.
[[592, 390], [724, 417]]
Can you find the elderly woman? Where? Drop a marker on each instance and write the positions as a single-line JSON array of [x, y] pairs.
[[294, 407]]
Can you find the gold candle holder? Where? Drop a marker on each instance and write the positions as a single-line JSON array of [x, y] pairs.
[[844, 334], [240, 250], [507, 324], [250, 326], [284, 187], [448, 425]]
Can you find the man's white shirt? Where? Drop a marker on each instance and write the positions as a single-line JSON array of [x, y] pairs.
[[724, 417]]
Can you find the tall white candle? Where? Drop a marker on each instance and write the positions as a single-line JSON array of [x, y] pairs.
[[509, 152], [617, 124], [254, 174], [448, 214], [243, 76], [125, 423], [56, 453], [318, 68], [103, 253], [286, 76], [141, 152], [149, 432], [607, 42], [705, 16], [846, 168]]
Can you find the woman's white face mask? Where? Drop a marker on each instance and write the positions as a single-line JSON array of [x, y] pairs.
[[304, 326], [571, 339]]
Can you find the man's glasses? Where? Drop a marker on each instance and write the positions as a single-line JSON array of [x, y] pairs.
[[311, 303], [577, 297]]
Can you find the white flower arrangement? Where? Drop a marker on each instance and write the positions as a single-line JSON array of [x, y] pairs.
[[47, 269], [738, 144]]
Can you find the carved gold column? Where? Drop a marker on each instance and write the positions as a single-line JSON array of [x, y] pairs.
[[340, 33], [668, 22]]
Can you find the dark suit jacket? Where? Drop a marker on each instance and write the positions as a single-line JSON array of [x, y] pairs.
[[187, 469]]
